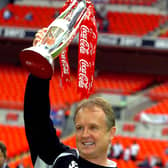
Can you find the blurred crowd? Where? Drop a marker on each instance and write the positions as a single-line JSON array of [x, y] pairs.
[[117, 151]]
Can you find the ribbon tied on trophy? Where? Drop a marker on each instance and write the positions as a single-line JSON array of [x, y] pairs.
[[76, 16]]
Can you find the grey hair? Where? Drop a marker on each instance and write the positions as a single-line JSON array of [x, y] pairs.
[[101, 103]]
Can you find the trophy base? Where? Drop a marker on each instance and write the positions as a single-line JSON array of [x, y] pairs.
[[35, 60]]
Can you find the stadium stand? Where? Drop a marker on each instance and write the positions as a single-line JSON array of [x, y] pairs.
[[165, 131], [129, 127], [12, 116], [126, 23], [26, 160], [134, 2], [159, 113], [132, 93], [164, 33], [133, 23], [12, 96], [14, 137], [19, 12], [159, 108], [159, 92]]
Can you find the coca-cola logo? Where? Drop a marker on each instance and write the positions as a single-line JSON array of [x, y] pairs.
[[83, 64], [65, 67], [83, 81], [84, 32], [84, 45], [64, 63]]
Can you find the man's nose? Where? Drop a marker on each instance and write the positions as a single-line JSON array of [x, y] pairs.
[[85, 132]]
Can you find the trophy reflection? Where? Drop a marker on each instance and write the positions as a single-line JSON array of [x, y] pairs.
[[39, 59]]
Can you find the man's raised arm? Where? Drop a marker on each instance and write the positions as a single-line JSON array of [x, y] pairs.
[[40, 132]]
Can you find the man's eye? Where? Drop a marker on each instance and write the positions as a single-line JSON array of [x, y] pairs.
[[93, 127], [78, 128]]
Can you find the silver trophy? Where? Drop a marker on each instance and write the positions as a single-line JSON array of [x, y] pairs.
[[39, 59]]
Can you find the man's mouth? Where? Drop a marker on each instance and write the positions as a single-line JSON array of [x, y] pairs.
[[88, 143]]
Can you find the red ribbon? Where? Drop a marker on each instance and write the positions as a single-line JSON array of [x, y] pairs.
[[86, 53], [65, 69]]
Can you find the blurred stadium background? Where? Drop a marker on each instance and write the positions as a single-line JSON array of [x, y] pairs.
[[131, 72]]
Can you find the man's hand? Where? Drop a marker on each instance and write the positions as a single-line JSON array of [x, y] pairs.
[[39, 36]]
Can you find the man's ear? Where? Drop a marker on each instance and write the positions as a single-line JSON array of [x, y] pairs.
[[112, 132]]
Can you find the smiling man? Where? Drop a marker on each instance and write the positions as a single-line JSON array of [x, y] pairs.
[[94, 123]]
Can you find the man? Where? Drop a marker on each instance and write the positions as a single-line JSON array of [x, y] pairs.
[[3, 151], [117, 150], [134, 150], [126, 153], [95, 127], [144, 164], [7, 14]]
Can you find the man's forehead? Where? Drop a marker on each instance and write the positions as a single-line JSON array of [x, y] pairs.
[[92, 108], [89, 112]]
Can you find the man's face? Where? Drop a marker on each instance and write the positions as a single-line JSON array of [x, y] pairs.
[[2, 159], [92, 134]]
